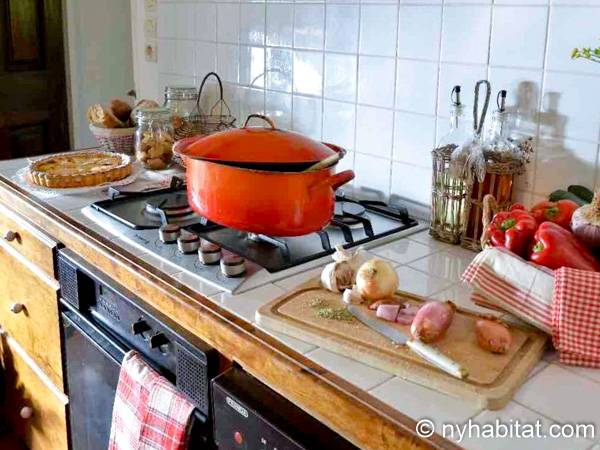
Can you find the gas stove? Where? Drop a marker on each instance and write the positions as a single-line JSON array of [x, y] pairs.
[[162, 223]]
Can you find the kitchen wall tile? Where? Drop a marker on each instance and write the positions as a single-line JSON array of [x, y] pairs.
[[279, 108], [411, 182], [308, 72], [228, 61], [307, 116], [570, 106], [519, 36], [251, 100], [205, 26], [414, 138], [280, 24], [341, 28], [252, 66], [340, 77], [184, 56], [465, 34], [416, 86], [458, 74], [279, 64], [360, 375], [167, 56], [185, 20], [419, 31], [378, 30], [167, 20], [205, 57], [373, 173], [374, 131], [570, 28], [376, 80], [228, 22], [523, 2], [561, 162], [309, 26], [252, 24], [338, 123]]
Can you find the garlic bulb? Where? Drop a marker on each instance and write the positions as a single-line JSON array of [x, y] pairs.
[[337, 276]]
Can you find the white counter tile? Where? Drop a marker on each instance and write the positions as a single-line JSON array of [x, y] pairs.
[[420, 402], [562, 395], [403, 251], [361, 375], [419, 283], [246, 304], [460, 294], [292, 342], [423, 237], [512, 412], [443, 265], [293, 282]]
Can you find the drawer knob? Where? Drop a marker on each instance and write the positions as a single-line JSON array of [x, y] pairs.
[[26, 412], [11, 235], [16, 308]]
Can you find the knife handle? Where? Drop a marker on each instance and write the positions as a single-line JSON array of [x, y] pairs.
[[437, 358]]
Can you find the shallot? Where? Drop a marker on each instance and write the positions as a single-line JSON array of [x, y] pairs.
[[376, 279], [493, 335], [351, 296], [388, 312], [432, 320], [585, 223]]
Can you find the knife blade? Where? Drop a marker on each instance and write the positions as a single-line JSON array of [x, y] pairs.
[[430, 354]]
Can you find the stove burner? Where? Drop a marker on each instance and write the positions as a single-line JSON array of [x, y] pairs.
[[170, 205], [348, 213]]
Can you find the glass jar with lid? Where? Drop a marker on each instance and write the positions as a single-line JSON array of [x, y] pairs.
[[182, 101], [154, 138]]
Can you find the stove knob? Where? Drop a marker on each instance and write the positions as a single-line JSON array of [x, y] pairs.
[[158, 340], [169, 233], [188, 243], [139, 327], [209, 253], [233, 266]]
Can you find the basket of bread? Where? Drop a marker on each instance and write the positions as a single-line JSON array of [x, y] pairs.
[[113, 125]]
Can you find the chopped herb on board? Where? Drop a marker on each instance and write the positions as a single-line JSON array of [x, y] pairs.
[[327, 312]]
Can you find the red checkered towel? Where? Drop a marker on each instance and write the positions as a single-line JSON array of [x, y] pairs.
[[148, 413], [576, 316]]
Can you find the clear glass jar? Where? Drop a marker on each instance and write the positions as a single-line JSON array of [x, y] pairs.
[[182, 101], [498, 135], [154, 138]]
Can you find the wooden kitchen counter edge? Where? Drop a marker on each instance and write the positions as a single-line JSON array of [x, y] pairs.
[[352, 412]]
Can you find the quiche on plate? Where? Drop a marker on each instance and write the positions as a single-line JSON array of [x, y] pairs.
[[79, 169]]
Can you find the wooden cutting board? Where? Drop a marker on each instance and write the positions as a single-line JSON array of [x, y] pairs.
[[492, 378]]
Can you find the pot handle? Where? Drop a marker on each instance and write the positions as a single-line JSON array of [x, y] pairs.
[[260, 116], [335, 181]]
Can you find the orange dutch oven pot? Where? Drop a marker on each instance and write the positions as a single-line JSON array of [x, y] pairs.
[[261, 180]]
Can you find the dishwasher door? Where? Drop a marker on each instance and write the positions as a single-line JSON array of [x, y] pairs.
[[92, 364]]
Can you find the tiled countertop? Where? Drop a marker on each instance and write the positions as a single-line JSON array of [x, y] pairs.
[[553, 393]]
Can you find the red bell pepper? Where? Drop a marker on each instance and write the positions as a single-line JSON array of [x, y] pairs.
[[513, 230], [559, 212], [555, 247]]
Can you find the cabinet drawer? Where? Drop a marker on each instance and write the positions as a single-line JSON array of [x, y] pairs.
[[29, 313], [27, 240], [35, 409]]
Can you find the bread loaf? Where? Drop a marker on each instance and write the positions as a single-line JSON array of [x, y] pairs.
[[102, 117]]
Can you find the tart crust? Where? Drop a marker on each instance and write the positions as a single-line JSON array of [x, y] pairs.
[[79, 169]]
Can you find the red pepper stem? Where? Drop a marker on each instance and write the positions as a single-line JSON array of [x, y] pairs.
[[552, 212], [538, 247], [508, 224]]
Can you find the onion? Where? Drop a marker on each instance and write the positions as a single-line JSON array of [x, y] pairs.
[[585, 223], [376, 279]]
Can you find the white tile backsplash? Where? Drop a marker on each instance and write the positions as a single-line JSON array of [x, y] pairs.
[[375, 75]]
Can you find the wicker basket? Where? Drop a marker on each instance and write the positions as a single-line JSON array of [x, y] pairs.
[[120, 140], [219, 117]]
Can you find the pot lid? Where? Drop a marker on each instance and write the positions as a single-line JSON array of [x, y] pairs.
[[258, 145]]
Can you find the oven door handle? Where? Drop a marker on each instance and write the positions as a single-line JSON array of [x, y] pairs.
[[107, 344]]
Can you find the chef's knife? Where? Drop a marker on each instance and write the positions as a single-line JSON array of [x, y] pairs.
[[431, 354]]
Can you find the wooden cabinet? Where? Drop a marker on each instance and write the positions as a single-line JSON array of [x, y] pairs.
[[34, 401], [25, 239], [34, 406]]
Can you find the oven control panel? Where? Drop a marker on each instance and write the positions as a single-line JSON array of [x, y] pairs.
[[250, 416]]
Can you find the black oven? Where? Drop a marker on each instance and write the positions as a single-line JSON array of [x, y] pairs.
[[101, 321]]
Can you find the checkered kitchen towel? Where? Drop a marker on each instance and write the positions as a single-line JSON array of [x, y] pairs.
[[148, 413], [576, 316]]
